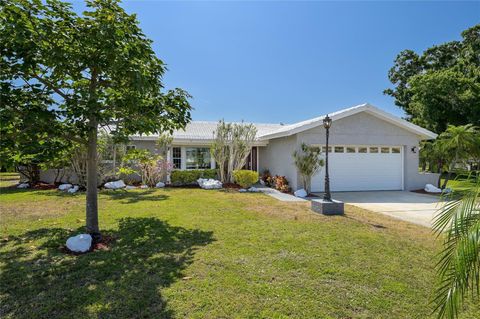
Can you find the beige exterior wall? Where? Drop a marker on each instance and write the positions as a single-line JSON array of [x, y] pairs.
[[277, 158]]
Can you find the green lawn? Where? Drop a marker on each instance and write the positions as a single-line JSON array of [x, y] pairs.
[[210, 254], [461, 183], [8, 179]]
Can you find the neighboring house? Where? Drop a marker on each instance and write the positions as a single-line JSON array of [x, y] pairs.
[[370, 150]]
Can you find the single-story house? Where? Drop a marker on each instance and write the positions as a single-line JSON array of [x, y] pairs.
[[370, 149]]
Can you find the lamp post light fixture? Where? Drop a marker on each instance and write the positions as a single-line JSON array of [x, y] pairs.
[[327, 205], [327, 123]]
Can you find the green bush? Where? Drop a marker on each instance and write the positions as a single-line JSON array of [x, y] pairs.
[[245, 178], [189, 177]]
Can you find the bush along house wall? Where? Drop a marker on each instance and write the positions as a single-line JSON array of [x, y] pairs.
[[189, 177]]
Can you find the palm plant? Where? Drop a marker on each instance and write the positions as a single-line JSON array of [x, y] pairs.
[[459, 264], [308, 162], [457, 143]]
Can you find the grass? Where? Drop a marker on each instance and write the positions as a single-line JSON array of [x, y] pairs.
[[8, 179], [210, 254], [461, 183]]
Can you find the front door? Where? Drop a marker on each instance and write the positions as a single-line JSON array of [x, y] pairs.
[[251, 163]]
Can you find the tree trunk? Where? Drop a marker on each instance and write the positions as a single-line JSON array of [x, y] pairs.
[[450, 169], [92, 202]]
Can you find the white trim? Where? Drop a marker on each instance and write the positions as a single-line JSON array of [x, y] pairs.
[[402, 153], [306, 125]]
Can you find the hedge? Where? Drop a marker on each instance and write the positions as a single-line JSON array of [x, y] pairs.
[[189, 177]]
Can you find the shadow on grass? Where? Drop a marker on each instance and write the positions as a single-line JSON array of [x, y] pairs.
[[124, 282], [124, 196], [128, 197]]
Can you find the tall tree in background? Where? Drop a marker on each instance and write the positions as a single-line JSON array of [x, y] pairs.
[[97, 69], [441, 86]]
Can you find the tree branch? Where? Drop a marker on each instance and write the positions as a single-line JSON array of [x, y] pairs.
[[51, 86]]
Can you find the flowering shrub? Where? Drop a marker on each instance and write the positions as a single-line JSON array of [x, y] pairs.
[[267, 178], [151, 168], [281, 183]]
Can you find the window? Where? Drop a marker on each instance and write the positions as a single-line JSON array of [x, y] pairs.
[[362, 149], [338, 149], [324, 149], [177, 157], [385, 150], [373, 149], [396, 150], [198, 157], [130, 147], [350, 149]]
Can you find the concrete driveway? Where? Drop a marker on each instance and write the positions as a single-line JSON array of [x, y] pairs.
[[412, 207]]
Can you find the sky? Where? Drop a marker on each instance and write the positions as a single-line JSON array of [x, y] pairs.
[[273, 62]]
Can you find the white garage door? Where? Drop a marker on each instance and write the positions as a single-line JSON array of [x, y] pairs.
[[360, 168]]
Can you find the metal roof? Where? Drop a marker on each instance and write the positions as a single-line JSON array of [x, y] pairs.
[[205, 131]]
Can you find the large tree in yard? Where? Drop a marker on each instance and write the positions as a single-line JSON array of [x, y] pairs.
[[441, 86], [98, 69]]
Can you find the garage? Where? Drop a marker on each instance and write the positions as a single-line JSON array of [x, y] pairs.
[[362, 168]]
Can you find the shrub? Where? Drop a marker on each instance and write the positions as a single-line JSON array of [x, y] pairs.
[[245, 178], [281, 183], [267, 178], [189, 177], [151, 168]]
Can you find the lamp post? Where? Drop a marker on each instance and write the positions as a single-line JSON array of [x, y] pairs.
[[327, 123]]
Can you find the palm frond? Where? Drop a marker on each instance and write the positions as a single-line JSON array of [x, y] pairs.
[[459, 265]]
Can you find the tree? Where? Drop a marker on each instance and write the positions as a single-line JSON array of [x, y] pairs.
[[441, 86], [308, 161], [97, 68], [457, 144], [233, 143], [28, 130], [459, 265]]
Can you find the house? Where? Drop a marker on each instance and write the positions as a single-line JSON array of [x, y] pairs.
[[370, 149]]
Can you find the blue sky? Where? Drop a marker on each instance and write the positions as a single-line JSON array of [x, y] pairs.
[[290, 61]]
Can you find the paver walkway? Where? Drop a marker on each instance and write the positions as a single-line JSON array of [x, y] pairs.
[[279, 195]]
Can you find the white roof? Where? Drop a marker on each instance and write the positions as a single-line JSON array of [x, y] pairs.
[[204, 131]]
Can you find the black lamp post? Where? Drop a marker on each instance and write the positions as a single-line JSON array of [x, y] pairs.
[[327, 123]]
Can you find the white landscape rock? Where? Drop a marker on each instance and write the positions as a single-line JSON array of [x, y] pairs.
[[209, 183], [160, 185], [65, 187], [143, 186], [300, 193], [80, 243], [115, 185], [253, 190], [74, 189], [130, 187], [429, 188], [242, 190], [23, 185]]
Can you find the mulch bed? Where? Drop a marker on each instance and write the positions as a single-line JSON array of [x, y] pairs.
[[422, 191], [231, 186], [44, 186], [104, 244]]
